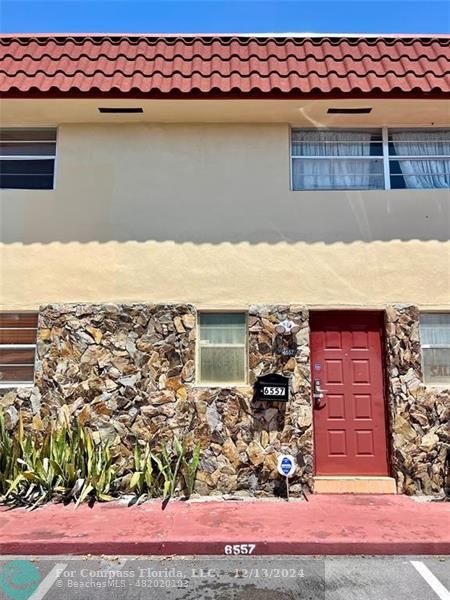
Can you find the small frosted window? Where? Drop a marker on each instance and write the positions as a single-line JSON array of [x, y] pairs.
[[435, 340], [222, 348]]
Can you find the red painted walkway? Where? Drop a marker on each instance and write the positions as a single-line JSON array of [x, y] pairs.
[[327, 524]]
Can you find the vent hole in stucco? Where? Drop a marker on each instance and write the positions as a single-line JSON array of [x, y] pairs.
[[349, 111], [120, 110]]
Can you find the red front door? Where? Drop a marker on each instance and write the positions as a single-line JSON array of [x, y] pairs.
[[349, 418]]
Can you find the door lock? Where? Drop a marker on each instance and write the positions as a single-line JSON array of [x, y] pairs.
[[318, 393]]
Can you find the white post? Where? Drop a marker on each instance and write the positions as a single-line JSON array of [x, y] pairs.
[[387, 173]]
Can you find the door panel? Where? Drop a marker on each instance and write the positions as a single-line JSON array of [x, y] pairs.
[[349, 421]]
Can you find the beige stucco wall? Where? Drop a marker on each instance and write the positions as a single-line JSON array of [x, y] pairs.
[[204, 214]]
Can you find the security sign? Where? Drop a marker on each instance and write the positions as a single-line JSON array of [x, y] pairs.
[[286, 465]]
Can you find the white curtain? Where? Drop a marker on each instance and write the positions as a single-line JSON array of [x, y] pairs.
[[335, 172], [435, 329], [427, 172]]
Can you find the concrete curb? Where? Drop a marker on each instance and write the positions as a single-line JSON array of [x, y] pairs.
[[325, 525], [217, 548]]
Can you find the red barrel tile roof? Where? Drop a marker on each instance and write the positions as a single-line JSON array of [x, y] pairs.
[[239, 65]]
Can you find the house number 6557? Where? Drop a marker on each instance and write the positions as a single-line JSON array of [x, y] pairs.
[[237, 549]]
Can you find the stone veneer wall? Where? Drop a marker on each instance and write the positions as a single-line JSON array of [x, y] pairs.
[[129, 370], [419, 415]]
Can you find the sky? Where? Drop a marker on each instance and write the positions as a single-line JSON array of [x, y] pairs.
[[225, 16]]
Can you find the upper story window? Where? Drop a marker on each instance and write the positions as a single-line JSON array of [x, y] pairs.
[[17, 347], [222, 348], [27, 158], [337, 160], [435, 341], [364, 159], [419, 158]]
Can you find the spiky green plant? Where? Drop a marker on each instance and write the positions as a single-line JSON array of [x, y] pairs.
[[8, 457], [68, 464], [159, 473], [71, 463], [189, 467], [142, 483]]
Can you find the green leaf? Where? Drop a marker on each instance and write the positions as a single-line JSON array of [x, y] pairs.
[[86, 490], [135, 479]]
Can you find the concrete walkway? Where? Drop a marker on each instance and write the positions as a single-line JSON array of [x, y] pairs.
[[327, 524]]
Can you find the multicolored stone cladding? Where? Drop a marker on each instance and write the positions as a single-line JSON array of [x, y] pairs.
[[129, 370], [419, 416]]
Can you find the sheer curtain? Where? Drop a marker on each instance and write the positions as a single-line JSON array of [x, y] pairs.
[[428, 172], [435, 329], [334, 173]]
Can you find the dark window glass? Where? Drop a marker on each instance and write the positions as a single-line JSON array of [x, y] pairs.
[[27, 174], [17, 171]]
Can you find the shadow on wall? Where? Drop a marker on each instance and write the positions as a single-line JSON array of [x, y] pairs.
[[203, 184], [222, 215]]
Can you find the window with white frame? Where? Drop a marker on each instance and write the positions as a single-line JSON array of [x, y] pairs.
[[364, 159], [337, 159], [18, 332], [222, 348], [435, 342], [27, 158], [419, 158]]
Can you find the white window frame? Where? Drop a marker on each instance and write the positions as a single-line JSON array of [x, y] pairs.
[[445, 385], [385, 156], [222, 384], [33, 157]]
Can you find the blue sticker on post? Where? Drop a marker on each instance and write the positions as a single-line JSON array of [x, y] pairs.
[[286, 465]]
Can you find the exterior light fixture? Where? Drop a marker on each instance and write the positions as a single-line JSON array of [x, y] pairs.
[[287, 327]]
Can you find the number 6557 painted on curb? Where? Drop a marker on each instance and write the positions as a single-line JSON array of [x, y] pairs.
[[237, 549]]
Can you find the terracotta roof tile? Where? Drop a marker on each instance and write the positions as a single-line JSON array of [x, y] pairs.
[[223, 64]]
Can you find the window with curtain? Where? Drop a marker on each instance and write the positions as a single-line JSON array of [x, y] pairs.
[[365, 159], [222, 348], [337, 159], [27, 158], [435, 341], [419, 158]]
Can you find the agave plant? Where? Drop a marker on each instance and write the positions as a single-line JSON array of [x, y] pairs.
[[142, 482], [71, 463], [157, 473], [8, 457], [68, 464], [189, 467]]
